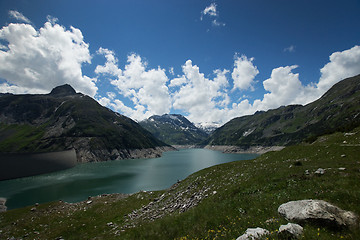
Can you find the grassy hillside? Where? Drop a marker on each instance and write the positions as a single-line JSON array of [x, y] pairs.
[[219, 202], [337, 109]]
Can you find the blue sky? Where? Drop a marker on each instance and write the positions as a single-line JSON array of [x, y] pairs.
[[208, 60]]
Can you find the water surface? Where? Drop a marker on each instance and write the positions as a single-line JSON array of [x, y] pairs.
[[121, 176]]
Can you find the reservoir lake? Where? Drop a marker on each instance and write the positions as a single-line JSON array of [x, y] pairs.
[[119, 176]]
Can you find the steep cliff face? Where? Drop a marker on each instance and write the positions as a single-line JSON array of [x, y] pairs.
[[64, 120], [337, 109]]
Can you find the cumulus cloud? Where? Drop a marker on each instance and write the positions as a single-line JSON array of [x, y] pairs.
[[199, 96], [35, 61], [342, 65], [147, 89], [19, 16], [244, 72]]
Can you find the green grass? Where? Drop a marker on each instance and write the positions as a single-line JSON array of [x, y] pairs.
[[248, 194], [21, 137]]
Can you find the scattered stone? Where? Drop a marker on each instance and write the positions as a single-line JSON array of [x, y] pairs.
[[253, 233], [307, 172], [33, 209], [318, 212], [320, 171], [342, 169], [343, 155], [110, 224], [89, 202], [290, 231]]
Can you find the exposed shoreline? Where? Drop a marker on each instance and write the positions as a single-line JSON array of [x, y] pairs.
[[236, 149]]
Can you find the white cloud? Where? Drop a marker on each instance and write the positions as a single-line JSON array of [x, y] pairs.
[[36, 61], [199, 96], [342, 65], [216, 23], [203, 99], [180, 80], [147, 89], [212, 13], [18, 16], [283, 86], [244, 72], [210, 10], [289, 49]]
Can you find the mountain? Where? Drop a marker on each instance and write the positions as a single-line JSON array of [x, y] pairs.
[[174, 129], [63, 120], [208, 127], [337, 109]]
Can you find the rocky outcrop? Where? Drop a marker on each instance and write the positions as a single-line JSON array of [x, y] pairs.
[[84, 154], [253, 233], [318, 212], [290, 231]]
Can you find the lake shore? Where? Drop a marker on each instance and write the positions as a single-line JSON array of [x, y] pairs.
[[236, 149]]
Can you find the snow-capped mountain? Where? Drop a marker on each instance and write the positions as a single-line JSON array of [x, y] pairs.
[[174, 129]]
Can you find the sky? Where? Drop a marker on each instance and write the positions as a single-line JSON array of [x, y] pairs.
[[209, 60]]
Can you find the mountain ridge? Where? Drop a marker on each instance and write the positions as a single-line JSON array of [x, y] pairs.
[[337, 109], [174, 129], [64, 119]]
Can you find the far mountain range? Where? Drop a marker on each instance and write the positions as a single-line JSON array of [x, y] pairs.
[[65, 119], [174, 129]]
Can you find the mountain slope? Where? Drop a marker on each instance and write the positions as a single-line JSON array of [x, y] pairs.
[[174, 129], [64, 120], [337, 109]]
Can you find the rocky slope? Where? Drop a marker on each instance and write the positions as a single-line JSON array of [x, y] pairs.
[[65, 120], [337, 109], [174, 129]]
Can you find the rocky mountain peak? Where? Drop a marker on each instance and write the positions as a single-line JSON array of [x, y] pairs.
[[63, 90]]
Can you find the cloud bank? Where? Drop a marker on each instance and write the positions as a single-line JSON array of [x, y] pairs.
[[205, 99], [35, 61]]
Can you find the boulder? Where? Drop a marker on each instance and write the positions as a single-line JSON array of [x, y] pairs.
[[318, 212], [253, 233], [320, 171], [3, 208], [290, 231]]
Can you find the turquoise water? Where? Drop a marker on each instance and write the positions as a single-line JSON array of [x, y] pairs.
[[121, 176]]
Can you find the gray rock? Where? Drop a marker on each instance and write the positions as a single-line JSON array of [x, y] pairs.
[[253, 233], [290, 231], [320, 171], [3, 208], [318, 212]]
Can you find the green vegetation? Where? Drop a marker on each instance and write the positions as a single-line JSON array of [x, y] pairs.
[[23, 137], [234, 197]]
